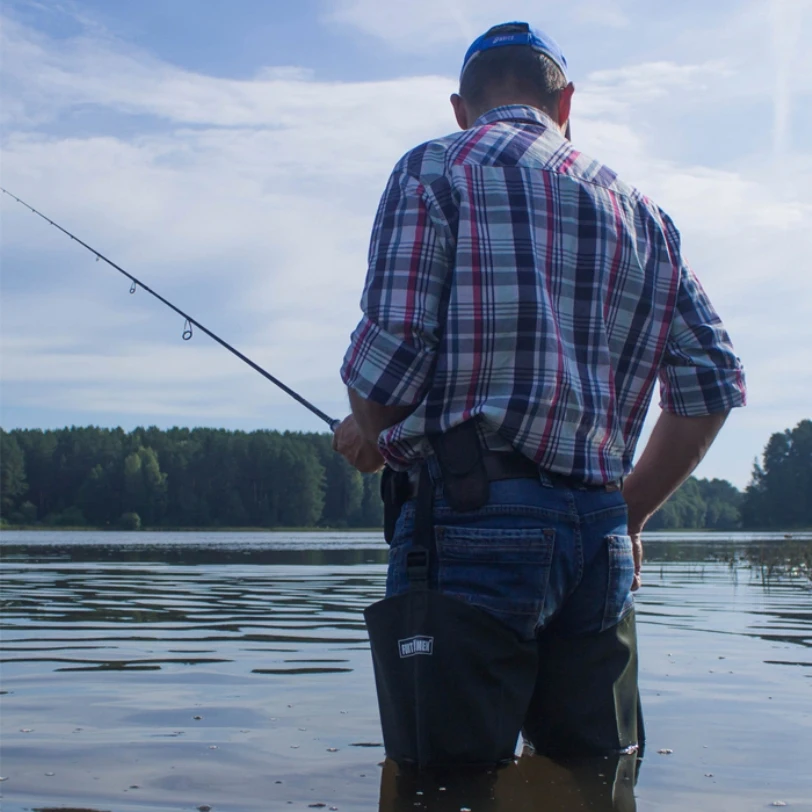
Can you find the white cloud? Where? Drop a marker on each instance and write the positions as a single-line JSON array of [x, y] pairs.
[[419, 25], [643, 83], [787, 23], [602, 13], [45, 78], [422, 25]]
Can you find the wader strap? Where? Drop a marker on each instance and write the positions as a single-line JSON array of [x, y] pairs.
[[424, 550], [395, 492]]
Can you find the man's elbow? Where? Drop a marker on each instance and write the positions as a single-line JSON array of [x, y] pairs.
[[696, 430], [708, 419]]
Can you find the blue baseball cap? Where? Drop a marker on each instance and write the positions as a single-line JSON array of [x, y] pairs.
[[517, 33]]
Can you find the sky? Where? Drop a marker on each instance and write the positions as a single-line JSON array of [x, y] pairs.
[[232, 155]]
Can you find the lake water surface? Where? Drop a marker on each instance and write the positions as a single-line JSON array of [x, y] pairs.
[[231, 671]]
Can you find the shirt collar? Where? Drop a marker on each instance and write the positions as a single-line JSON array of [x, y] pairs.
[[515, 112]]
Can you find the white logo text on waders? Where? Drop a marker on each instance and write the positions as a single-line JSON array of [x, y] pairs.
[[416, 645]]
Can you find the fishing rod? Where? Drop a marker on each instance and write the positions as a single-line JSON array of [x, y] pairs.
[[189, 321]]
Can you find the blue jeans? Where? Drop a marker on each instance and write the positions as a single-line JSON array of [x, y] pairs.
[[536, 556]]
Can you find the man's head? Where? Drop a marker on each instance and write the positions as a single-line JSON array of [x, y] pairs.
[[513, 64]]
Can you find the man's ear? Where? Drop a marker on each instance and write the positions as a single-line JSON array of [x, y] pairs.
[[460, 113], [564, 107]]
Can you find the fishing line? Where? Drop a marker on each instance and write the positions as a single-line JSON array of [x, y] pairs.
[[189, 322]]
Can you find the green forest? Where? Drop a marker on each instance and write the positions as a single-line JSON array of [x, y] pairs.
[[195, 478], [181, 478]]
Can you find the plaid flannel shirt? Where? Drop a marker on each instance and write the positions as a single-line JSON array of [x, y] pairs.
[[514, 279]]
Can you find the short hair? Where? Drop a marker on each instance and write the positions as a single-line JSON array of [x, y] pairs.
[[518, 67]]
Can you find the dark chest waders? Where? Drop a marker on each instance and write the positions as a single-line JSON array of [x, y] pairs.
[[454, 684]]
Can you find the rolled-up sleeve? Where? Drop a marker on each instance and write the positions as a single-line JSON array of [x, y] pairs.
[[700, 372], [392, 350]]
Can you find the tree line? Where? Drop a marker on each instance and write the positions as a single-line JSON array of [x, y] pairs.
[[216, 478], [181, 478]]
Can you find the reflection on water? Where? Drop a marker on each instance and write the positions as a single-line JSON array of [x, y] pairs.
[[175, 671], [598, 785]]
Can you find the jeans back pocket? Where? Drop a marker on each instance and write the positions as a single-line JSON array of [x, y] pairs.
[[503, 571]]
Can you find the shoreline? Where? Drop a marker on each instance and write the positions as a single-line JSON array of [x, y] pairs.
[[793, 534], [38, 528]]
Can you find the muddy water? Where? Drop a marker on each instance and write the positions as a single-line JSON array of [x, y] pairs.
[[231, 671]]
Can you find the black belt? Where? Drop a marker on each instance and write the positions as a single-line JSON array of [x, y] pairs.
[[501, 465]]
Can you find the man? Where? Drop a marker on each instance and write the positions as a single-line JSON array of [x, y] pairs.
[[517, 286]]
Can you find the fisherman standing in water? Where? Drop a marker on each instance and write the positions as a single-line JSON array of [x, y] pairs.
[[520, 304]]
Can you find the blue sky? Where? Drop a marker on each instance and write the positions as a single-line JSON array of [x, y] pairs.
[[232, 155]]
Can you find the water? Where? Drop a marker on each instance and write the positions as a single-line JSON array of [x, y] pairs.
[[170, 671]]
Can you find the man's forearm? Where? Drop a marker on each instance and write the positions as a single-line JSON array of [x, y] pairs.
[[676, 446], [372, 418]]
